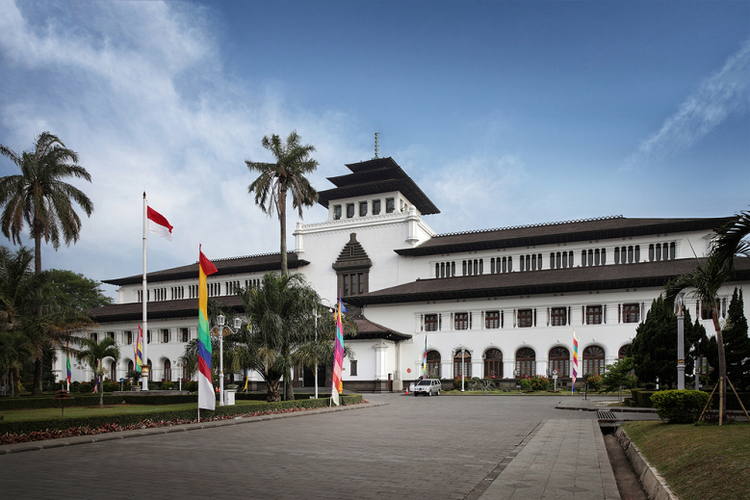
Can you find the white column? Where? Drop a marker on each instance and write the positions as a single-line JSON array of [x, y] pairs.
[[380, 361]]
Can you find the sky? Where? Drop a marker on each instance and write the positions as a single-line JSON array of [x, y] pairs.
[[505, 113]]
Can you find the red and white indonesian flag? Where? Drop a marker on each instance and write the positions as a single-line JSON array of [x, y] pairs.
[[158, 224]]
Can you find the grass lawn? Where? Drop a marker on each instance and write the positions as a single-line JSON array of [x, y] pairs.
[[88, 411], [698, 462]]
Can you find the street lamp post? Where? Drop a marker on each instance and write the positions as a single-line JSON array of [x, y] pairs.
[[680, 341], [221, 320], [463, 367]]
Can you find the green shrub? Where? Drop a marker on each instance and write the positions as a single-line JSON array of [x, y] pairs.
[[191, 386], [525, 384], [539, 383], [594, 381], [85, 387], [166, 385], [679, 407], [110, 386]]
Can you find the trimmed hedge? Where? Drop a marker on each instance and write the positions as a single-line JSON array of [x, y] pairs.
[[167, 415], [642, 398], [679, 407]]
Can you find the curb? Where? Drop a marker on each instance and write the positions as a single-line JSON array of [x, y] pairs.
[[653, 484], [7, 449]]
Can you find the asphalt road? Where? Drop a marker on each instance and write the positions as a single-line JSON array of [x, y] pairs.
[[412, 448]]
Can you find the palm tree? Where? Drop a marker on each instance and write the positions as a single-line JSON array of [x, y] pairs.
[[732, 240], [286, 176], [39, 198], [705, 281], [93, 353], [14, 351], [281, 313]]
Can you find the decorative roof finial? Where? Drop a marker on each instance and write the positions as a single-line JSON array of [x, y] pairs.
[[377, 145]]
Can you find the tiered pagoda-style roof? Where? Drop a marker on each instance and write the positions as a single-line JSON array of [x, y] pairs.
[[377, 176], [558, 232]]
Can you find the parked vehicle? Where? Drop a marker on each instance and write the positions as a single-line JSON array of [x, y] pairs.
[[428, 387]]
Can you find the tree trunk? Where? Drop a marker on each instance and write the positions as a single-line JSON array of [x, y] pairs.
[[38, 372], [272, 389], [101, 391], [722, 362], [38, 363], [282, 224], [289, 384]]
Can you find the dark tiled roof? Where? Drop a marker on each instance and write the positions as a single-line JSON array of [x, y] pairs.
[[234, 265], [380, 175], [366, 329], [158, 310], [578, 279], [557, 233]]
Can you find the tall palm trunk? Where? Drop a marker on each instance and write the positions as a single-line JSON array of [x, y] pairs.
[[101, 391], [37, 390], [282, 225]]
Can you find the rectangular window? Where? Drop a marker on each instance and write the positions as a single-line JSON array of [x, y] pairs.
[[360, 279], [165, 336], [593, 315], [111, 335], [95, 337], [431, 322], [492, 319], [129, 337], [336, 212], [349, 210], [185, 333], [390, 205], [375, 207], [461, 321], [362, 208], [559, 316], [353, 368], [525, 318], [631, 313]]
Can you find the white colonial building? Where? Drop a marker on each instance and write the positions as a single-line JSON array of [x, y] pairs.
[[498, 303]]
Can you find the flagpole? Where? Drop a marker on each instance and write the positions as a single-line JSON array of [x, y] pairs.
[[144, 379]]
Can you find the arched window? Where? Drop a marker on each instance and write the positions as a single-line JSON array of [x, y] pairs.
[[493, 363], [113, 370], [593, 360], [526, 362], [433, 364], [559, 359], [623, 352], [462, 364], [167, 370], [131, 366]]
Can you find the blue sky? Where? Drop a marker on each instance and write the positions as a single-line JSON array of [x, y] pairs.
[[505, 113]]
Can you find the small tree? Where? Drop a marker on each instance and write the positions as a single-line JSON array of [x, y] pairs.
[[737, 342], [619, 376], [93, 353]]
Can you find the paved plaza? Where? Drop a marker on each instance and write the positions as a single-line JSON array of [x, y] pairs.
[[404, 448]]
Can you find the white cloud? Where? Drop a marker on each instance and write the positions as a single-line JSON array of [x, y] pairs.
[[725, 93], [141, 95]]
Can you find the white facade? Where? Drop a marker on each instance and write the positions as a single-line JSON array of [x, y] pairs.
[[501, 290]]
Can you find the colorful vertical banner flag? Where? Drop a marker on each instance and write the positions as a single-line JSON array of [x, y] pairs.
[[337, 383], [158, 224], [67, 362], [138, 350], [96, 376], [206, 395], [575, 360], [424, 359]]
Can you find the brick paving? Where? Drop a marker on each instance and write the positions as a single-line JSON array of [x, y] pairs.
[[409, 448]]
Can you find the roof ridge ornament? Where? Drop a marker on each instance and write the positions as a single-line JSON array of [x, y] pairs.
[[377, 145]]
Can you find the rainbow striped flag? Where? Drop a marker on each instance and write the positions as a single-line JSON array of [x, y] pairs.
[[424, 359], [575, 360], [206, 395], [337, 383], [138, 350], [67, 363]]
